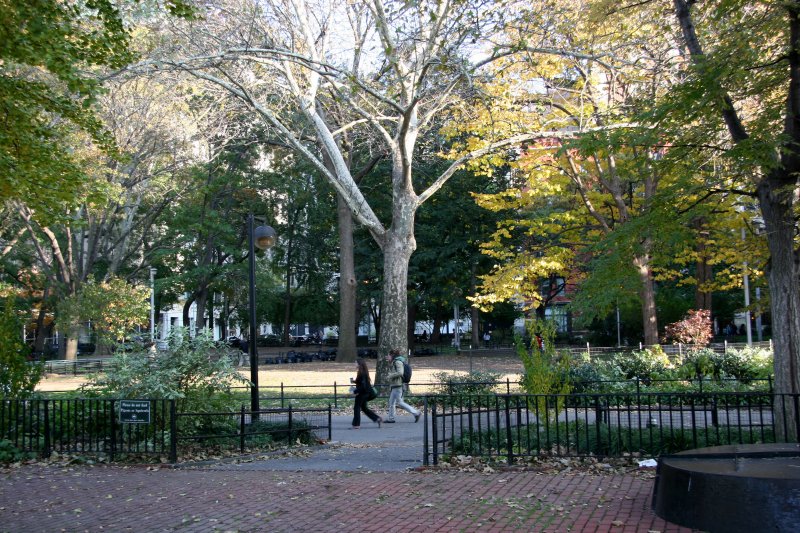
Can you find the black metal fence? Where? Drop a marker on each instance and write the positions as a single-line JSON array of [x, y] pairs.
[[99, 426], [519, 425]]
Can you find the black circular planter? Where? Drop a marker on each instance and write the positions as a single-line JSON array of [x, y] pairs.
[[751, 488]]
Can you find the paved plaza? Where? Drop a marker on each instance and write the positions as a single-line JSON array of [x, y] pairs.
[[366, 480]]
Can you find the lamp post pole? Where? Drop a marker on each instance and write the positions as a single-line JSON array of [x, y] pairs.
[[152, 305], [262, 237], [251, 345]]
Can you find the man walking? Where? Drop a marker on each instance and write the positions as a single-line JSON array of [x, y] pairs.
[[395, 377]]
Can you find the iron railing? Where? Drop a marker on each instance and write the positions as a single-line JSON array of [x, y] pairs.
[[517, 425], [95, 426]]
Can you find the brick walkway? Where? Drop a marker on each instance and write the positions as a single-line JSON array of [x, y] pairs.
[[114, 498]]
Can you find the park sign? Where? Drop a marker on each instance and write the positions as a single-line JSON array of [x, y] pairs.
[[134, 411]]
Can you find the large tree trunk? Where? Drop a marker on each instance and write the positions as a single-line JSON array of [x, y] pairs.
[[200, 310], [397, 250], [38, 343], [704, 272], [648, 295], [71, 343], [187, 305], [775, 196], [348, 285]]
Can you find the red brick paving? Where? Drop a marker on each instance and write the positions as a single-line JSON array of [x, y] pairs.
[[115, 498]]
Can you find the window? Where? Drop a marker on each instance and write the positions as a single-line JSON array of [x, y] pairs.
[[559, 315]]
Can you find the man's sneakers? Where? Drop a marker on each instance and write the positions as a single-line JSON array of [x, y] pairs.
[[416, 417], [389, 421]]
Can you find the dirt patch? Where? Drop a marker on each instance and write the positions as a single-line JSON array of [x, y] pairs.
[[330, 372]]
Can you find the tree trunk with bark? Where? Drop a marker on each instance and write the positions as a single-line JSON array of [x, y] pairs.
[[397, 247], [784, 286], [348, 285], [648, 296]]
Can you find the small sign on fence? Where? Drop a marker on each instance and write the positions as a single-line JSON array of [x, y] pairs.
[[134, 411]]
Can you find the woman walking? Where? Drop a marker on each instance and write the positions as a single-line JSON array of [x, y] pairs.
[[363, 392]]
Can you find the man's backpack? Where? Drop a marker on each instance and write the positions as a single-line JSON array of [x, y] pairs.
[[406, 372]]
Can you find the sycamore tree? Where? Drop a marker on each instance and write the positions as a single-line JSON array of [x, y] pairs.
[[391, 67]]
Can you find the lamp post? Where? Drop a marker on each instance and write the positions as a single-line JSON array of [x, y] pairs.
[[262, 237], [152, 305]]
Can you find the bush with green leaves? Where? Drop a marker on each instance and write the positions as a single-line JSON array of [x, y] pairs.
[[197, 372], [646, 365], [747, 364], [698, 364], [471, 384], [588, 376], [18, 377], [546, 371], [11, 454]]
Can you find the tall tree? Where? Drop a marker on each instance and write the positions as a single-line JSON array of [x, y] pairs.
[[743, 75], [295, 57]]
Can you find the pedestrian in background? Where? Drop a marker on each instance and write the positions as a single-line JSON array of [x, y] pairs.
[[363, 392], [395, 377]]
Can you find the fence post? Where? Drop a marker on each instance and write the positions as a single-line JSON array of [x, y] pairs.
[[46, 449], [508, 386], [714, 413], [241, 429], [113, 429], [434, 434], [725, 346], [680, 349], [796, 398], [588, 350], [425, 448], [330, 423], [335, 404], [598, 420], [291, 433], [509, 439], [282, 396], [173, 430]]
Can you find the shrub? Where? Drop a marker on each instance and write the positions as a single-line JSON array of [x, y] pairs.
[[196, 372], [18, 377], [587, 376], [644, 364], [472, 383], [695, 328], [546, 372], [746, 364], [10, 454], [701, 364]]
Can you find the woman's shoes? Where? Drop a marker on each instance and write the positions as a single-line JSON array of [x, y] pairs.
[[355, 427], [379, 421]]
